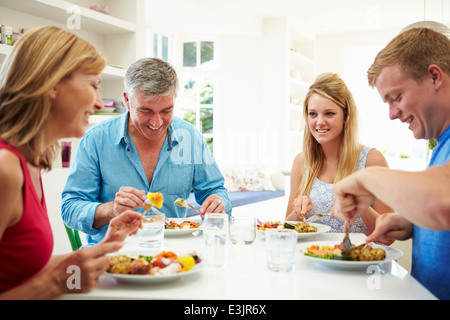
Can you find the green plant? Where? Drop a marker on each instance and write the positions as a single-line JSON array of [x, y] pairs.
[[431, 143]]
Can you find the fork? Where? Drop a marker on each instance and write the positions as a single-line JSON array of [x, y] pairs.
[[152, 207], [346, 242], [185, 204]]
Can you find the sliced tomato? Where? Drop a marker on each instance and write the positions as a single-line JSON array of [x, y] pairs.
[[157, 262], [268, 225]]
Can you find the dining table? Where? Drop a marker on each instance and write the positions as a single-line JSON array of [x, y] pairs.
[[245, 276]]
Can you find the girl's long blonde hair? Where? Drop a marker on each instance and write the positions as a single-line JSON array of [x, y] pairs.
[[40, 59], [332, 87]]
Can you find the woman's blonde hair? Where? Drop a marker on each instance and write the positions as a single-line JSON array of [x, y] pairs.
[[333, 88], [40, 59]]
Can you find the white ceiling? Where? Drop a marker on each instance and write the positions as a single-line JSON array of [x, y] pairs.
[[310, 16], [329, 16]]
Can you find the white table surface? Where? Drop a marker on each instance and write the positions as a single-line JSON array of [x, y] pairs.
[[246, 277]]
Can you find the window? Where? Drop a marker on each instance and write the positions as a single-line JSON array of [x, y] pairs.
[[198, 53], [196, 98], [161, 47], [198, 85]]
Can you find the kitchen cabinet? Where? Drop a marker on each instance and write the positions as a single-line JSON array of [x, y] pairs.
[[301, 76], [289, 70], [119, 35]]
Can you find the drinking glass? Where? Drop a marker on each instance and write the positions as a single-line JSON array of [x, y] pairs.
[[280, 249], [152, 233], [242, 229], [215, 236]]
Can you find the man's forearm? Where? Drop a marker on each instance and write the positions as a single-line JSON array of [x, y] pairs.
[[103, 215], [421, 197]]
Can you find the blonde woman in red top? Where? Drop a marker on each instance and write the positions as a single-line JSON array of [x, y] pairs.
[[48, 91]]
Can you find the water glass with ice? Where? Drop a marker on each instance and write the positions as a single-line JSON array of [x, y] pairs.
[[280, 249], [215, 236], [152, 233], [242, 229]]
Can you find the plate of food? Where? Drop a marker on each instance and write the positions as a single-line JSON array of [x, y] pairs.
[[180, 226], [141, 268], [331, 255], [304, 229]]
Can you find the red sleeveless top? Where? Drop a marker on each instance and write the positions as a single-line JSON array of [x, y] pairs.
[[26, 247]]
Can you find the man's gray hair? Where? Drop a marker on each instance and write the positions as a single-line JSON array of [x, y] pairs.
[[151, 76]]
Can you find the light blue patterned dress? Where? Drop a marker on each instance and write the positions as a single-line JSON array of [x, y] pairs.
[[322, 197]]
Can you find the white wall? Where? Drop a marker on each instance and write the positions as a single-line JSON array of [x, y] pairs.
[[350, 55], [203, 17], [248, 128], [238, 121], [53, 183], [238, 118], [250, 120]]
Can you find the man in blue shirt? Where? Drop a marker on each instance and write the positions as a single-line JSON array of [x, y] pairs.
[[412, 75], [146, 149]]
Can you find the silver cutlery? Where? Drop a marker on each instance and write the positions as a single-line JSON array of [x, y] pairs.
[[346, 242], [316, 217]]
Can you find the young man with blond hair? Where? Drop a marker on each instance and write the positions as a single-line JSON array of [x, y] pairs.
[[412, 75]]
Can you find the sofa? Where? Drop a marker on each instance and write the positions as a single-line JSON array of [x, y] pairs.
[[246, 186]]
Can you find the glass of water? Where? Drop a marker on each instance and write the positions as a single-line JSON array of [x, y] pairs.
[[152, 233], [215, 236], [242, 229], [280, 248]]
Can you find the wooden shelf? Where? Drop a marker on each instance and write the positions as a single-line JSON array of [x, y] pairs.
[[5, 50], [113, 73], [99, 117], [300, 83], [301, 59], [57, 10], [110, 72], [118, 37]]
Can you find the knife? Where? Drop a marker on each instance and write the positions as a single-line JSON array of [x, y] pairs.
[[315, 217]]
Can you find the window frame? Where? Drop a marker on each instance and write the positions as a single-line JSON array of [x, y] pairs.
[[208, 70]]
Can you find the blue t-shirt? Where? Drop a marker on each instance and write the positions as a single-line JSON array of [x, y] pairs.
[[431, 253]]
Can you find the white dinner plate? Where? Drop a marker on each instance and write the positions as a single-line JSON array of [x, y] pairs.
[[176, 232], [321, 228], [149, 279], [391, 255]]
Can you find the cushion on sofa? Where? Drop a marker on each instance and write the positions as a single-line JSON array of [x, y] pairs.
[[239, 198]]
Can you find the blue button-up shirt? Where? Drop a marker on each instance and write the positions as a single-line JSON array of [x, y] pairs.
[[106, 159]]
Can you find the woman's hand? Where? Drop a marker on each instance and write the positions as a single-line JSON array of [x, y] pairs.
[[301, 206], [123, 225], [75, 272]]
